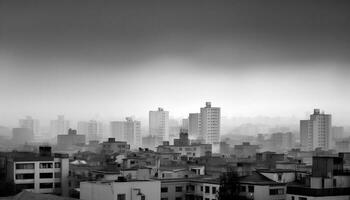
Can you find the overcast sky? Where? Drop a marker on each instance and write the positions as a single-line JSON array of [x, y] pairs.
[[112, 59]]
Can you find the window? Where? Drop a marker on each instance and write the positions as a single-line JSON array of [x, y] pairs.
[[57, 165], [250, 188], [58, 185], [201, 188], [46, 185], [25, 166], [20, 187], [207, 189], [57, 174], [213, 190], [302, 198], [45, 165], [121, 197], [178, 198], [276, 191], [163, 198], [207, 199], [163, 189], [178, 188], [46, 175], [279, 177], [293, 198], [243, 188], [24, 176]]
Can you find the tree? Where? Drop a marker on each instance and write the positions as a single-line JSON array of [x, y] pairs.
[[229, 187]]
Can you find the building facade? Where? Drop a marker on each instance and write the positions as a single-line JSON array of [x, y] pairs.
[[30, 123], [71, 139], [39, 173], [59, 126], [120, 190], [316, 132], [210, 124], [159, 124], [92, 129], [194, 125], [22, 135], [129, 131]]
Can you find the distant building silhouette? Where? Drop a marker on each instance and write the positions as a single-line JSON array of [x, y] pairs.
[[59, 126], [22, 135], [159, 124], [30, 123], [129, 131]]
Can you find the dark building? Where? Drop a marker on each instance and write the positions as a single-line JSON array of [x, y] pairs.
[[268, 159], [183, 140]]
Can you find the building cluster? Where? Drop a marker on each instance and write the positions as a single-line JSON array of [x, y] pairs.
[[193, 165]]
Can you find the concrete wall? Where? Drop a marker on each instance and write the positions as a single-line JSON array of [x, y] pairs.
[[296, 197], [286, 177], [109, 191]]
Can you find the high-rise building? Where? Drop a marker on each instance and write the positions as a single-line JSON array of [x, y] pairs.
[[184, 124], [129, 131], [210, 124], [92, 129], [194, 125], [159, 124], [30, 123], [59, 126], [316, 132]]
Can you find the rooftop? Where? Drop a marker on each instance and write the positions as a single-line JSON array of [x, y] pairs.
[[257, 179], [25, 195]]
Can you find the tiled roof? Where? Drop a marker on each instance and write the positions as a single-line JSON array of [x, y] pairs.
[[257, 179]]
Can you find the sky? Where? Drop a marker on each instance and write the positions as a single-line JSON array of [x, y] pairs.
[[112, 59]]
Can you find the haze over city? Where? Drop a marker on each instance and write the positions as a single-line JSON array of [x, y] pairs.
[[123, 59]]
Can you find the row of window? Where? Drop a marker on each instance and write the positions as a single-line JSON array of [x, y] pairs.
[[191, 187], [41, 165], [300, 198], [41, 185], [42, 175], [277, 191], [250, 189]]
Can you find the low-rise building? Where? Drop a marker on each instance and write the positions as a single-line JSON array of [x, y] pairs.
[[112, 146], [120, 190], [205, 188], [40, 173], [190, 151], [245, 150], [328, 181], [258, 187], [67, 141]]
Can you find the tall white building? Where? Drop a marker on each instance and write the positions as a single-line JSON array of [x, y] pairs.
[[129, 131], [184, 124], [92, 129], [194, 125], [210, 124], [316, 132], [59, 126], [159, 124], [30, 123]]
